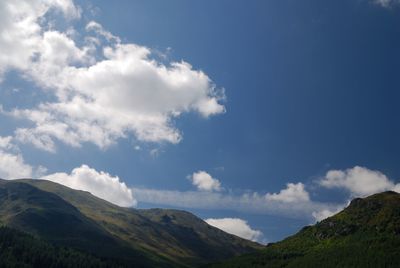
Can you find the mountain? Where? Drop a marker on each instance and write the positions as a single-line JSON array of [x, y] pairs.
[[19, 249], [365, 234], [80, 221]]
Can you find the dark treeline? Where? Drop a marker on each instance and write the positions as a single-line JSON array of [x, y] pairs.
[[19, 249]]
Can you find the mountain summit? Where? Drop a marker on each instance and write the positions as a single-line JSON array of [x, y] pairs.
[[365, 234], [128, 237]]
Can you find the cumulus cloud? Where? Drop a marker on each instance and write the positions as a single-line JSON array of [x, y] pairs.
[[359, 181], [20, 29], [12, 163], [100, 184], [236, 227], [294, 192], [13, 166], [133, 94], [101, 90], [204, 182], [5, 142]]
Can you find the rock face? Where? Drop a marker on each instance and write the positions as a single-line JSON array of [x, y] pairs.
[[365, 234], [139, 238]]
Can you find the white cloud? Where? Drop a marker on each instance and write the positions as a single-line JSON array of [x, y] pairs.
[[133, 94], [12, 163], [396, 188], [100, 184], [5, 142], [359, 181], [100, 92], [20, 29], [325, 213], [98, 28], [13, 166], [294, 192], [204, 182], [236, 227]]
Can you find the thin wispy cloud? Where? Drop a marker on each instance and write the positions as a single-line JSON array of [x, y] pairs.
[[251, 202], [386, 3]]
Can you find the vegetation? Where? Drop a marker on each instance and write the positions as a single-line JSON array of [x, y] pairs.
[[49, 225], [165, 235], [136, 238], [18, 249], [365, 234]]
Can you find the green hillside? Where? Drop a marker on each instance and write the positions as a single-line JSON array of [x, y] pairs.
[[143, 238], [69, 228], [365, 234], [18, 249], [50, 217]]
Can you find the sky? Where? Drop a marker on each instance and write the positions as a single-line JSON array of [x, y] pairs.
[[259, 117]]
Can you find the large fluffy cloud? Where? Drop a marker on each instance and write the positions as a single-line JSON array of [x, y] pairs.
[[133, 94], [100, 90], [204, 182], [294, 192], [359, 181], [100, 184], [237, 227]]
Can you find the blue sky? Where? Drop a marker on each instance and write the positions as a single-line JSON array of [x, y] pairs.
[[265, 115]]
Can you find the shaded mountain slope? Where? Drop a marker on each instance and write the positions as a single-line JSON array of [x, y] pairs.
[[48, 216], [19, 249], [154, 237], [365, 234]]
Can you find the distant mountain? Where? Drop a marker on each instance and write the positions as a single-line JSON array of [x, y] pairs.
[[80, 221], [365, 234]]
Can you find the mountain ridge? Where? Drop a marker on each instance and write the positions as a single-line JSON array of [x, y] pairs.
[[147, 238], [364, 234]]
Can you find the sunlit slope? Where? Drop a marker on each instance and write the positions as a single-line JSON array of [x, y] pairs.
[[365, 234]]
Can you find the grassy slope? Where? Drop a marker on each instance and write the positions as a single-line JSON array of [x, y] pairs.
[[365, 234], [50, 217], [174, 235]]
